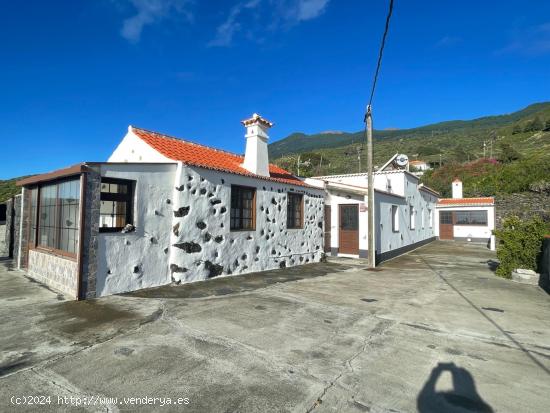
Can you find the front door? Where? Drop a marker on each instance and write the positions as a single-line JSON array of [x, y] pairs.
[[349, 229], [446, 225], [327, 228]]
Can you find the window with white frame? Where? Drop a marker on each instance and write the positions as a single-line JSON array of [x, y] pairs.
[[412, 217], [430, 217], [395, 218]]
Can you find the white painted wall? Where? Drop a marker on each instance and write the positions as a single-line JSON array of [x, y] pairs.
[[207, 194], [457, 189], [134, 149], [256, 154], [406, 193], [390, 181], [422, 201], [337, 198], [147, 248], [470, 231]]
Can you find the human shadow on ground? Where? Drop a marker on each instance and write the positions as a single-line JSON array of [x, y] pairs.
[[463, 397]]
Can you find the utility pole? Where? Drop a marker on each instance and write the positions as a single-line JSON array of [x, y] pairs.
[[484, 148], [359, 157], [370, 205], [299, 165]]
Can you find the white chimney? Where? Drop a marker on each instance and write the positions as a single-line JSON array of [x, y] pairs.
[[457, 188], [255, 157]]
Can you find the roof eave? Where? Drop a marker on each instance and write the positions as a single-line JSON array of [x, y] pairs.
[[57, 174]]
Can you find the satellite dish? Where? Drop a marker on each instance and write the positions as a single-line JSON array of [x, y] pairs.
[[402, 160]]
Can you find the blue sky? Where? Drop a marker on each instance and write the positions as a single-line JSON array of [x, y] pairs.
[[75, 74]]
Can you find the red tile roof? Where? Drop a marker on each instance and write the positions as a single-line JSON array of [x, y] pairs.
[[466, 201], [194, 154]]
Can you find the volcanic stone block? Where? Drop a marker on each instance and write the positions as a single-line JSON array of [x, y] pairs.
[[181, 212], [189, 247]]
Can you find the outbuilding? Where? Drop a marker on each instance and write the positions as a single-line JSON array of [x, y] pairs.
[[465, 219]]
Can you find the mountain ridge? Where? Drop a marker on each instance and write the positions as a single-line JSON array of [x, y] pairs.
[[299, 142]]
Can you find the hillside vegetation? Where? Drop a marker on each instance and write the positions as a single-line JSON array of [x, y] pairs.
[[516, 156], [8, 189]]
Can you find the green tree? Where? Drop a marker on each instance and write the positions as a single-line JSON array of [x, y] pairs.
[[517, 129], [508, 153], [460, 154], [426, 150], [547, 126], [535, 125], [519, 244]]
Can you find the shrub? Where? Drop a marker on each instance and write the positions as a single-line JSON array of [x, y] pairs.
[[519, 244]]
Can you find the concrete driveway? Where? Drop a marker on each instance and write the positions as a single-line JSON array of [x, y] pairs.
[[434, 330]]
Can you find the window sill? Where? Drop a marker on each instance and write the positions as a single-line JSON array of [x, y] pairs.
[[117, 232], [55, 253]]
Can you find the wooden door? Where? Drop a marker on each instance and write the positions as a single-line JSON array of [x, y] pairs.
[[349, 229], [446, 225], [327, 228]]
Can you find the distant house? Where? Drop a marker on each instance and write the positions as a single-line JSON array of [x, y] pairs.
[[165, 210], [418, 167], [466, 219]]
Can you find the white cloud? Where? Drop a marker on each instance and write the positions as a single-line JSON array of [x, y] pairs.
[[282, 13], [447, 41], [226, 31], [310, 9], [150, 12], [531, 41]]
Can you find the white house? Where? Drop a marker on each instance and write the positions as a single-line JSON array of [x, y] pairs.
[[404, 212], [165, 210], [418, 167], [466, 219]]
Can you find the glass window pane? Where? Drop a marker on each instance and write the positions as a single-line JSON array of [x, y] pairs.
[[116, 204]]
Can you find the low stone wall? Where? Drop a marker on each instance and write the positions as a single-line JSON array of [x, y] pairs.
[[16, 227], [544, 265], [3, 246], [525, 205], [59, 273]]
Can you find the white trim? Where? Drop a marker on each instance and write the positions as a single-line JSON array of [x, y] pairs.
[[348, 255]]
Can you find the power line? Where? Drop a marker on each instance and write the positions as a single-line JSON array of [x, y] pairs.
[[381, 52]]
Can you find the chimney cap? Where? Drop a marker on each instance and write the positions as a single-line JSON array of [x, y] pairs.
[[457, 180], [256, 118]]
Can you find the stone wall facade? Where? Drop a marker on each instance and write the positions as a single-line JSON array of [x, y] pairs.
[[525, 205], [24, 227], [56, 272], [16, 222], [9, 227], [89, 258], [4, 248], [544, 265], [203, 246]]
